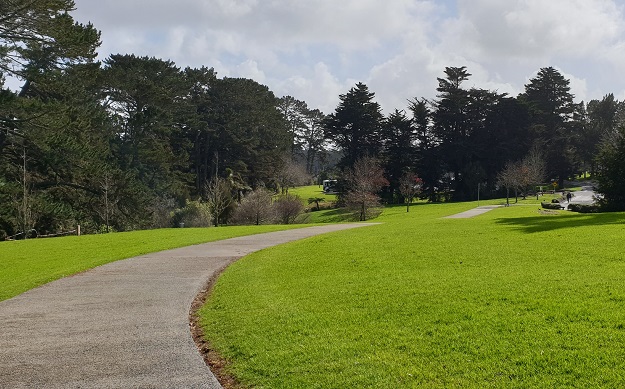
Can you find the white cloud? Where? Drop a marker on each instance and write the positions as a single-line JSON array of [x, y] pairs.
[[320, 88], [317, 49], [249, 69]]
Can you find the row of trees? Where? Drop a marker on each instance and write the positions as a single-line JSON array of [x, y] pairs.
[[125, 143], [470, 138]]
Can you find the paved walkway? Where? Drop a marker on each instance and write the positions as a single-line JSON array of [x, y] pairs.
[[121, 325], [473, 212]]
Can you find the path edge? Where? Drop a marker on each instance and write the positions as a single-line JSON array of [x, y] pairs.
[[217, 364]]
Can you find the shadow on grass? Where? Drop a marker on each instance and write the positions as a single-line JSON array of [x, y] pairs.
[[335, 215], [550, 223]]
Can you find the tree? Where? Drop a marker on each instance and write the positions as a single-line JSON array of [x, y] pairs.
[[427, 158], [509, 178], [313, 141], [248, 134], [522, 175], [399, 152], [450, 122], [218, 197], [305, 127], [534, 169], [43, 127], [38, 36], [602, 120], [505, 137], [460, 123], [364, 181], [355, 125], [144, 99], [611, 170], [201, 129], [409, 187], [552, 109], [294, 112], [290, 174], [255, 208]]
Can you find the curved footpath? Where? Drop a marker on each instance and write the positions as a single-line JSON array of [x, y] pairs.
[[124, 324]]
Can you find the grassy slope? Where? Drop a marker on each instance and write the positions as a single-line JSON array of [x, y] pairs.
[[511, 298], [312, 191], [30, 263]]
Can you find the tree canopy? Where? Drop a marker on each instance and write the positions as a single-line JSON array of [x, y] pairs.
[[129, 142]]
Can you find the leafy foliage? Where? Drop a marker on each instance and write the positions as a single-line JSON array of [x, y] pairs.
[[119, 145], [355, 125], [193, 214], [611, 184]]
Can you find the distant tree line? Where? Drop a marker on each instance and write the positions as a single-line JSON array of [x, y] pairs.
[[137, 142], [470, 139]]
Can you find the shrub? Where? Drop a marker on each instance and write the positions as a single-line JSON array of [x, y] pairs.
[[194, 214], [288, 208], [161, 210], [584, 208], [552, 205], [255, 208]]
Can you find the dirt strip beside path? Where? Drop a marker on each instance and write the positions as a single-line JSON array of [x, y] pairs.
[[124, 324]]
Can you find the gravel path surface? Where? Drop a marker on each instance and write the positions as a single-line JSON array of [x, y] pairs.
[[121, 325]]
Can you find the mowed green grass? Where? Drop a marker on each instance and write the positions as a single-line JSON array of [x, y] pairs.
[[312, 191], [512, 298], [30, 263]]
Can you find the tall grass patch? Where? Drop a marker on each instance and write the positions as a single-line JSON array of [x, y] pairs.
[[511, 298]]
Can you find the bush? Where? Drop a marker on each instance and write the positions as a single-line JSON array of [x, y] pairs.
[[584, 208], [194, 214], [553, 205], [288, 208], [255, 208]]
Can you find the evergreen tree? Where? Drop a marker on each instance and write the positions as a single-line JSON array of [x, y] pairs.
[[313, 141], [450, 121], [43, 127], [551, 105], [355, 125], [602, 120], [505, 137], [294, 112], [250, 135], [399, 153], [201, 128], [611, 171], [428, 158], [145, 98]]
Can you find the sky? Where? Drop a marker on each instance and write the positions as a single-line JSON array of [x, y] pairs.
[[315, 50]]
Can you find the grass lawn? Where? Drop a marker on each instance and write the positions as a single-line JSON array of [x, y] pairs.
[[29, 263], [311, 191], [511, 298]]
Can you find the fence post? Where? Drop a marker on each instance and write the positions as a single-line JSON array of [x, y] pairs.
[[78, 230]]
